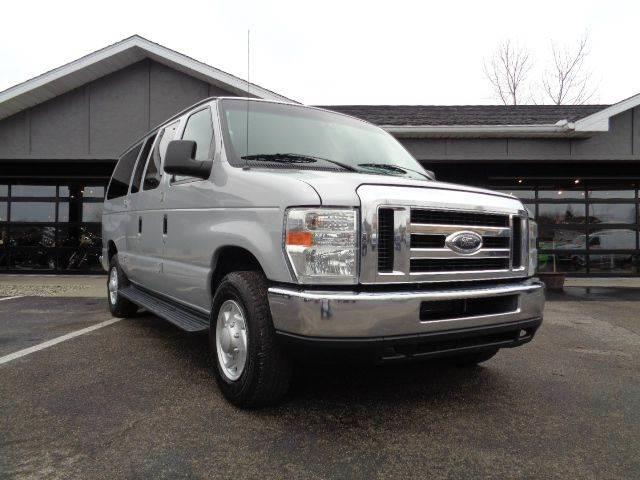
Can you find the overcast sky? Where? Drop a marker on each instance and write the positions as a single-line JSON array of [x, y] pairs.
[[335, 52]]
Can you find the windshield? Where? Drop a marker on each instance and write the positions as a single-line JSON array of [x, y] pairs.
[[290, 136]]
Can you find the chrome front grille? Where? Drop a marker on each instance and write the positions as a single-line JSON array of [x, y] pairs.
[[458, 264], [415, 241], [439, 224], [419, 215]]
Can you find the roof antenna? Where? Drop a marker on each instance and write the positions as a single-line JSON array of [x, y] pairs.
[[246, 159]]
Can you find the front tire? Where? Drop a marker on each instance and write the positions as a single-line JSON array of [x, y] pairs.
[[250, 367], [118, 305]]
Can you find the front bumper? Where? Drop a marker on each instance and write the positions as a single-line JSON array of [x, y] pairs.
[[372, 316]]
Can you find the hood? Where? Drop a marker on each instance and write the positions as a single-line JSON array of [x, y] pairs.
[[337, 188]]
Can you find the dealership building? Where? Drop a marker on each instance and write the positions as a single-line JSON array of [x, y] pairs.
[[577, 168]]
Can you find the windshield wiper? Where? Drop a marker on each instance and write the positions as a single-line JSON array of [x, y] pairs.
[[392, 168], [294, 158]]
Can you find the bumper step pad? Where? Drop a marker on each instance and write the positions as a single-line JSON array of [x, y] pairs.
[[187, 320]]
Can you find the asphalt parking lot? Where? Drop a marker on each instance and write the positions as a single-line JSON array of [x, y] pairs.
[[135, 399]]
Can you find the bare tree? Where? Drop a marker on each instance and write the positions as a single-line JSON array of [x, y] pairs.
[[568, 81], [507, 71]]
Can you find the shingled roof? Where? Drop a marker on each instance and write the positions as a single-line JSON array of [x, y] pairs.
[[467, 114]]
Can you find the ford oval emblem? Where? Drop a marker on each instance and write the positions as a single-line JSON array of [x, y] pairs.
[[465, 242]]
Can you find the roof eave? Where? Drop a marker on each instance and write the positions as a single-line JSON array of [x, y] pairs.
[[561, 129], [112, 58], [599, 121]]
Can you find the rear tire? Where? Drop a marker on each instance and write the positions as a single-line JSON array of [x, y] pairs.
[[473, 359], [118, 305], [250, 367]]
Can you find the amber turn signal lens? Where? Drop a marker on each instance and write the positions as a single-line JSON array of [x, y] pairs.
[[304, 239]]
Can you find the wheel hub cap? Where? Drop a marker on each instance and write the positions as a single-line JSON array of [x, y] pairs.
[[113, 286], [231, 339]]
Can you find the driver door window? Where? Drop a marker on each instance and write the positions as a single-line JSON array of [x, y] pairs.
[[199, 129]]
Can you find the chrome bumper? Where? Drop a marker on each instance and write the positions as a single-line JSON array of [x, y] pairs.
[[353, 315]]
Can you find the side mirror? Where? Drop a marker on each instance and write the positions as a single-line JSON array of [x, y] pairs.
[[179, 160], [431, 174]]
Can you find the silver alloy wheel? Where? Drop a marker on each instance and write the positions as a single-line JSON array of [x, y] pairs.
[[113, 285], [231, 339]]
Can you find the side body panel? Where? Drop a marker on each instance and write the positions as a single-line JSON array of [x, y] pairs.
[[148, 219], [116, 224], [135, 263]]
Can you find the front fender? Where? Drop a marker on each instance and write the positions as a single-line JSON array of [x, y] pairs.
[[262, 239]]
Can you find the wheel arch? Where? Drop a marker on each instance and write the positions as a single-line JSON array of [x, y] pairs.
[[111, 250], [232, 258]]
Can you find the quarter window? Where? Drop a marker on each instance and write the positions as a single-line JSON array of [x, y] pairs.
[[122, 174], [137, 177]]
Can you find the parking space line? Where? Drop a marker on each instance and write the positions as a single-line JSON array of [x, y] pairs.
[[55, 341], [11, 298]]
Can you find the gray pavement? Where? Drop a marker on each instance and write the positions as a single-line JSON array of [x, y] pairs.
[[136, 400]]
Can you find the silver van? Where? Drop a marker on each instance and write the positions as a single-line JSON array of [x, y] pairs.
[[285, 230]]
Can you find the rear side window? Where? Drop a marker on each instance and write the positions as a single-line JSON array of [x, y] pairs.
[[137, 176], [122, 174], [154, 170]]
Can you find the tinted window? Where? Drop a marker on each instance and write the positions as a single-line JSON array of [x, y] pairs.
[[200, 130], [612, 239], [137, 176], [32, 236], [561, 213], [612, 213], [33, 191], [93, 192], [612, 194], [92, 212], [89, 191], [521, 194], [561, 194], [63, 212], [154, 170], [33, 212], [122, 174]]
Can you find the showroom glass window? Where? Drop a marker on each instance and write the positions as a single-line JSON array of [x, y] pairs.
[[582, 229], [51, 227]]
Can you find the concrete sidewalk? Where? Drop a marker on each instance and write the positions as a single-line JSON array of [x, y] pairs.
[[612, 282], [53, 285]]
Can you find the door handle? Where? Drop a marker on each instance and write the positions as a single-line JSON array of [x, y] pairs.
[[139, 225], [164, 224]]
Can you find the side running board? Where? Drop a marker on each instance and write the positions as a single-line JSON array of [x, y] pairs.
[[186, 319]]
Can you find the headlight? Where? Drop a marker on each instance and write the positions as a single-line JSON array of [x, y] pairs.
[[321, 244], [533, 252]]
